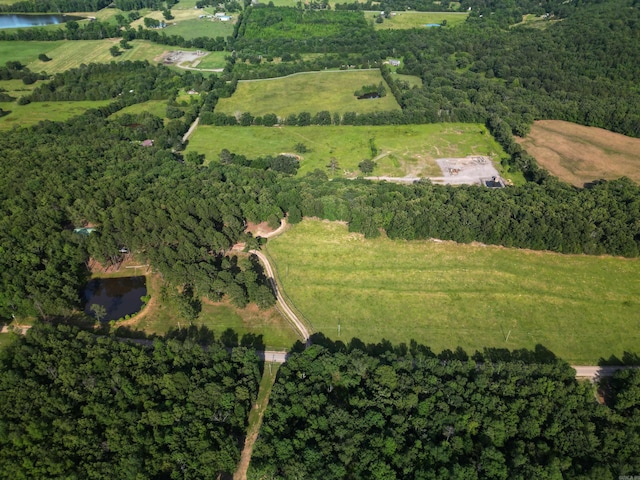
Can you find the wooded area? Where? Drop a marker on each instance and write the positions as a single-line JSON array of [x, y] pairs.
[[383, 411], [80, 406]]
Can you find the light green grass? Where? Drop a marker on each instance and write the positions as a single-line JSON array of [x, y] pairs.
[[412, 80], [308, 92], [200, 27], [26, 52], [213, 60], [17, 88], [447, 295], [31, 114], [154, 107], [6, 339], [405, 20], [402, 149], [72, 54]]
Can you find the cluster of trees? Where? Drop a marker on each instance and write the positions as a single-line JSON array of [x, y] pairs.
[[80, 406], [382, 412], [183, 219], [546, 216], [304, 119], [284, 163]]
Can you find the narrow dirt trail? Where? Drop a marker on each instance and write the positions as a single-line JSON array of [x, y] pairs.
[[255, 419]]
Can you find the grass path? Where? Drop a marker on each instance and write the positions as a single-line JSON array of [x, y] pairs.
[[255, 418]]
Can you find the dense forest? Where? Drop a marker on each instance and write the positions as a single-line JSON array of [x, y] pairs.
[[75, 405], [387, 412]]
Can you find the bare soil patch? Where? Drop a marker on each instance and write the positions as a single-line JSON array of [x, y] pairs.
[[577, 154], [179, 57], [259, 229]]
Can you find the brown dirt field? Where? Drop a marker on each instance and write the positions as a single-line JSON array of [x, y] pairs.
[[577, 154]]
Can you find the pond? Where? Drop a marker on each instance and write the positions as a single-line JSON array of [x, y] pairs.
[[432, 25], [369, 95], [19, 20], [119, 296]]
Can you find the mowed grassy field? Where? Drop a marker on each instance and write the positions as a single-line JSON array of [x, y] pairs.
[[31, 114], [446, 295], [405, 20], [308, 92], [74, 53], [401, 149], [577, 154], [26, 52]]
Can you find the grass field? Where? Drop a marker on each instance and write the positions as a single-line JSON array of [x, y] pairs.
[[31, 114], [213, 60], [26, 52], [200, 27], [578, 154], [402, 149], [308, 92], [17, 88], [412, 80], [73, 53], [405, 20], [154, 107], [447, 295]]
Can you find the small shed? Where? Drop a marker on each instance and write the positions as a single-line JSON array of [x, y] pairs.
[[147, 143]]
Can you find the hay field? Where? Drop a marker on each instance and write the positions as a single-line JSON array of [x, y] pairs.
[[400, 149], [578, 154], [405, 20], [446, 295], [31, 114], [308, 92]]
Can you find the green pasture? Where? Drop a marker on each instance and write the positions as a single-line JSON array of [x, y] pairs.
[[72, 54], [200, 27], [26, 52], [154, 107], [308, 92], [31, 114], [17, 88], [401, 149], [405, 20], [447, 295], [213, 60], [412, 80]]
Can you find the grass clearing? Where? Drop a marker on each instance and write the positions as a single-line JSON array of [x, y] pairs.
[[26, 52], [412, 80], [161, 316], [200, 27], [447, 295], [154, 107], [72, 54], [406, 20], [213, 60], [401, 149], [308, 92], [577, 154], [31, 114]]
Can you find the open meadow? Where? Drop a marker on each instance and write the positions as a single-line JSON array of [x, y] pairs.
[[31, 114], [400, 149], [447, 295], [577, 154], [308, 92], [26, 52], [405, 20], [72, 54]]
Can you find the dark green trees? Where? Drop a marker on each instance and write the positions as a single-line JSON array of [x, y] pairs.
[[80, 406]]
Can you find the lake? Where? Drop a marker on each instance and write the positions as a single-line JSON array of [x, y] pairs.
[[20, 20], [120, 296]]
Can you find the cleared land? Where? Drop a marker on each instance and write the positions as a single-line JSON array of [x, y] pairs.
[[405, 20], [72, 54], [308, 92], [578, 154], [26, 52], [31, 114], [400, 149], [447, 295], [161, 316]]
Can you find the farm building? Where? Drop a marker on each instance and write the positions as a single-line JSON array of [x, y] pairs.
[[394, 62]]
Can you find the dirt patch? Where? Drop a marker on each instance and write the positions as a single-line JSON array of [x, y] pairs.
[[259, 229], [578, 154], [179, 57]]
